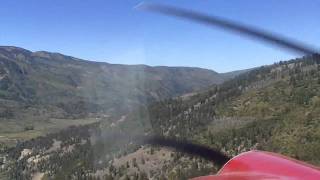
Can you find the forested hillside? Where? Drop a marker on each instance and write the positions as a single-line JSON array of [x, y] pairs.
[[274, 108]]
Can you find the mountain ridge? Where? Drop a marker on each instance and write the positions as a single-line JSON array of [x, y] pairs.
[[75, 87], [48, 54]]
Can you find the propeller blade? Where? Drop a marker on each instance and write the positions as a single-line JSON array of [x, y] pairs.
[[231, 26], [187, 147]]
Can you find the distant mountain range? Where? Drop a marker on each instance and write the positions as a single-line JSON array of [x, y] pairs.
[[63, 86]]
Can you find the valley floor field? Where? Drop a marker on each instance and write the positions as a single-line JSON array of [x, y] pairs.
[[12, 131]]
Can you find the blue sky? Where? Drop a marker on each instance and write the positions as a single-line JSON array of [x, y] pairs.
[[113, 31]]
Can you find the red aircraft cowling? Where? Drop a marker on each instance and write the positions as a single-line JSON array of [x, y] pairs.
[[255, 165]]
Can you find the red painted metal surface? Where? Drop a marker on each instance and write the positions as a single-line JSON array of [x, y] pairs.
[[255, 165]]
